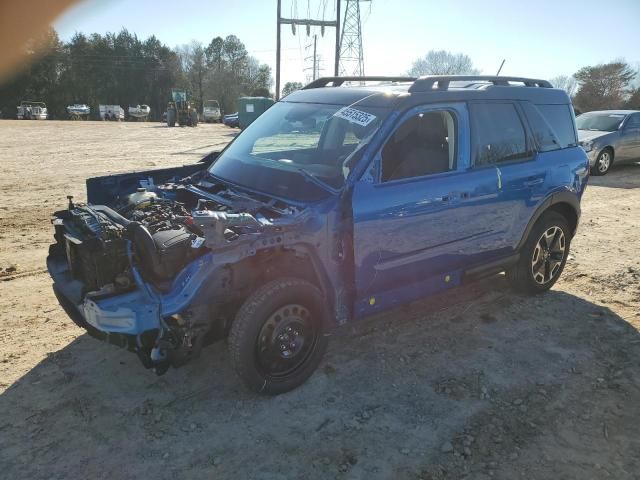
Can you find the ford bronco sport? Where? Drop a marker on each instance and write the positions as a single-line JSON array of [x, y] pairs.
[[338, 202]]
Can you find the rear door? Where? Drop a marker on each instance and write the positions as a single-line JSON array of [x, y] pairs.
[[501, 141]]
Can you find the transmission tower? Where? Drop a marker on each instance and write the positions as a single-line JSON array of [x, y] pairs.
[[351, 54], [308, 23]]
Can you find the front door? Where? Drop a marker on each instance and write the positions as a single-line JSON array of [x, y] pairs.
[[426, 215], [629, 146]]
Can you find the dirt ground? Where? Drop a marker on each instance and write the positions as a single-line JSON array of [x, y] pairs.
[[477, 383]]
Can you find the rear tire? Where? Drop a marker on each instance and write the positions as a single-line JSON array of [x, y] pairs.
[[603, 162], [543, 256], [277, 339]]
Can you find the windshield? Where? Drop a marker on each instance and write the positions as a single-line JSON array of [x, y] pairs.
[[211, 104], [299, 151], [606, 122]]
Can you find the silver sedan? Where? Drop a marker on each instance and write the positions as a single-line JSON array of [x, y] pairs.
[[609, 136]]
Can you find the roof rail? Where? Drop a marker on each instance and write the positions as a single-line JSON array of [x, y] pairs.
[[427, 83], [338, 81]]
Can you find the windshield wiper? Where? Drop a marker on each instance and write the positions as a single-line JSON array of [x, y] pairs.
[[325, 186]]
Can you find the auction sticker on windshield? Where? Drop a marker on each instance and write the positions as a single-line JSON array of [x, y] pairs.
[[355, 116]]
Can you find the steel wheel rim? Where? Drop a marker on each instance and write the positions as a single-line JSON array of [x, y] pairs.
[[604, 161], [286, 340], [548, 255]]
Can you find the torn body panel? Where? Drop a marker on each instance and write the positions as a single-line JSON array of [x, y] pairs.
[[163, 266]]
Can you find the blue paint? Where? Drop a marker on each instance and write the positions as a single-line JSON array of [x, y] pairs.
[[411, 237]]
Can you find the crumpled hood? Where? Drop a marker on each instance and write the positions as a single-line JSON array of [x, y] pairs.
[[586, 135]]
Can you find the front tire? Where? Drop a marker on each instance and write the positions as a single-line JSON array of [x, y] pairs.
[[603, 162], [543, 256], [278, 338]]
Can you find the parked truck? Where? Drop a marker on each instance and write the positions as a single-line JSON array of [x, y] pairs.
[[211, 112]]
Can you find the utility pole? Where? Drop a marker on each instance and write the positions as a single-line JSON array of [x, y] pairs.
[[278, 44], [315, 57], [336, 69], [351, 53], [307, 22]]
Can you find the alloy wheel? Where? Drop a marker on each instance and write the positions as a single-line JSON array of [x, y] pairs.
[[548, 255], [604, 161]]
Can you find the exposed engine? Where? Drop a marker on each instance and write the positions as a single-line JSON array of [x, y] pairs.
[[165, 234], [155, 233], [162, 233]]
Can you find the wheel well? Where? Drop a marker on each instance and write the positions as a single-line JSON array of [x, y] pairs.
[[568, 212], [610, 148]]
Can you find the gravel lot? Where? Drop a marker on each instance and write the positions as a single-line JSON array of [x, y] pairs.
[[477, 383]]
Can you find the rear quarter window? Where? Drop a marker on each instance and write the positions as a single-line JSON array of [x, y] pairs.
[[560, 118]]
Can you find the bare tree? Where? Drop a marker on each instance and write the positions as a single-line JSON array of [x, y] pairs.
[[565, 82], [441, 62]]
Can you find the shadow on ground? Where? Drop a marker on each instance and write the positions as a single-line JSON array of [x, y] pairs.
[[620, 176], [478, 382]]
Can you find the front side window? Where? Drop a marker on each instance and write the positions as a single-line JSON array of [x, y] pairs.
[[498, 134], [423, 145], [634, 121], [299, 150]]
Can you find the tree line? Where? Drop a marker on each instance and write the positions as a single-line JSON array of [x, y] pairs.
[[121, 69], [608, 86]]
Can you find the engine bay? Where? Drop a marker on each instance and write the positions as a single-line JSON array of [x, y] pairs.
[[159, 229]]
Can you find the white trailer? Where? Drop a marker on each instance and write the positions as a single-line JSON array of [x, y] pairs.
[[111, 112]]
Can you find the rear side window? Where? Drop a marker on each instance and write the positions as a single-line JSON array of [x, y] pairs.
[[498, 134], [561, 121], [543, 134]]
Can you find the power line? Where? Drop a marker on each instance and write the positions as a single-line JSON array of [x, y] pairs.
[[308, 23]]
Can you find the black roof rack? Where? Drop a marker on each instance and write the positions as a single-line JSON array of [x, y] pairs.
[[338, 81], [427, 83]]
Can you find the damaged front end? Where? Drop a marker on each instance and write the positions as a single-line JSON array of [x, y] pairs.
[[160, 267]]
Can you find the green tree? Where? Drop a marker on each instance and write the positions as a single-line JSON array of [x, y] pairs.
[[290, 87], [603, 86]]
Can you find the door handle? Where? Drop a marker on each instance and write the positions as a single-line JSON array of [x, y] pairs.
[[533, 181]]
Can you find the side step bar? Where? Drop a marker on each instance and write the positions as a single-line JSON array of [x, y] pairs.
[[491, 268]]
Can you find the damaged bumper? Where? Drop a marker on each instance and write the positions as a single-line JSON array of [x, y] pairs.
[[135, 320]]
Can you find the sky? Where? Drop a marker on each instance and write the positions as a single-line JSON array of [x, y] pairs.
[[539, 39]]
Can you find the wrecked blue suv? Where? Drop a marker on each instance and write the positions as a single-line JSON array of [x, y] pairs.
[[338, 202]]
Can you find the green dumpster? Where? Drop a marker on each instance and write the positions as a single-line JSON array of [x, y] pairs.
[[250, 108]]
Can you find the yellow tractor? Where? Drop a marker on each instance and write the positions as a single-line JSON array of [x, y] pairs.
[[181, 110]]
